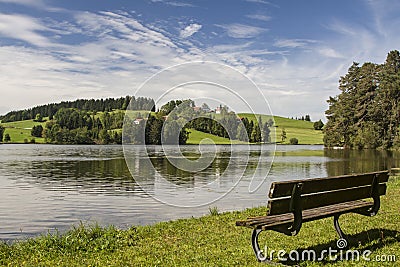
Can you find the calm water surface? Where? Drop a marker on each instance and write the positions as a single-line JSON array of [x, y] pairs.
[[48, 187]]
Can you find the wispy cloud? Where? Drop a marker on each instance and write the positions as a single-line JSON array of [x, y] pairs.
[[259, 1], [38, 4], [35, 3], [173, 3], [190, 30], [237, 30], [23, 28], [293, 43], [259, 17], [262, 2], [330, 52]]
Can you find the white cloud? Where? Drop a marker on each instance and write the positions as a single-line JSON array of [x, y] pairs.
[[237, 30], [36, 3], [293, 43], [259, 17], [262, 2], [173, 3], [190, 30], [258, 1], [330, 52], [24, 28]]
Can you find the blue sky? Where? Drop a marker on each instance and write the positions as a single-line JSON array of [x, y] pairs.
[[295, 51]]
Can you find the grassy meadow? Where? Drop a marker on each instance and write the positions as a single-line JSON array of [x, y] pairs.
[[21, 130], [211, 240], [195, 137]]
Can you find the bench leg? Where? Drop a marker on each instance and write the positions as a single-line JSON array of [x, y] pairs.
[[342, 242], [254, 242]]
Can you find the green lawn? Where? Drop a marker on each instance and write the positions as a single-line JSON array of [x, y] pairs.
[[195, 137], [212, 240], [21, 130]]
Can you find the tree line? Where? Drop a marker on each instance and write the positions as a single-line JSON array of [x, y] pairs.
[[366, 113], [169, 125], [94, 105], [178, 116]]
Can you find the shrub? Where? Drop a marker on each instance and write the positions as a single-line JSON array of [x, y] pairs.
[[318, 125], [294, 141], [7, 138]]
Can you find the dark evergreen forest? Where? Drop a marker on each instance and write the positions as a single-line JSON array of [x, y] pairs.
[[366, 113], [93, 105]]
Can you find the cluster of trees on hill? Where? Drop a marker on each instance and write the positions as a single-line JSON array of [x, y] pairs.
[[179, 115], [167, 126], [74, 126], [155, 131], [94, 105], [229, 125], [366, 113], [303, 118]]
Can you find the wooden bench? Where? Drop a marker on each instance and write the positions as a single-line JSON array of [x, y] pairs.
[[293, 202]]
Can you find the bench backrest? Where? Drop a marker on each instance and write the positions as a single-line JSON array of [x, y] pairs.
[[321, 192]]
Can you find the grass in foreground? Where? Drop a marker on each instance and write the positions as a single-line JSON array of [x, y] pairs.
[[212, 240]]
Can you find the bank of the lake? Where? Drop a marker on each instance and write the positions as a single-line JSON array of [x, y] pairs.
[[211, 240]]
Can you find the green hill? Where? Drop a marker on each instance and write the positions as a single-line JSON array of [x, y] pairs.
[[302, 130]]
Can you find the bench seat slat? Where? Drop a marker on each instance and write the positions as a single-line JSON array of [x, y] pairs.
[[266, 222], [281, 206], [284, 188]]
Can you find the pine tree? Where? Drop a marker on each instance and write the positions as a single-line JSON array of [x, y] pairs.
[[266, 133], [7, 138], [242, 133], [2, 129]]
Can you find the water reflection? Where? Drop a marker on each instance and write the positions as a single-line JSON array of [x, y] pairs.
[[345, 161], [109, 176]]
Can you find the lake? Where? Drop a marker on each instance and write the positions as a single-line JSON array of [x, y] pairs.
[[48, 187]]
